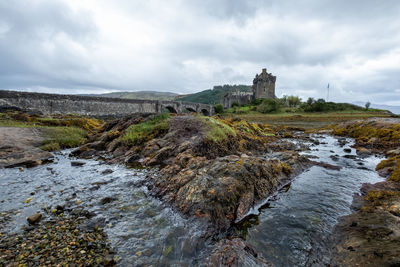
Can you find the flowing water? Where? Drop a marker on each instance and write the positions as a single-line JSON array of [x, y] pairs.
[[292, 231], [140, 227], [295, 227]]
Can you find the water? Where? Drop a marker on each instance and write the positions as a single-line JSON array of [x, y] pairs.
[[292, 231], [295, 228], [140, 227]]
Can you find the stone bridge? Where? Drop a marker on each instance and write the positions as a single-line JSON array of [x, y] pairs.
[[95, 106]]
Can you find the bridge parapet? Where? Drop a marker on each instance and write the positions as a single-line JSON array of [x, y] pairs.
[[95, 106]]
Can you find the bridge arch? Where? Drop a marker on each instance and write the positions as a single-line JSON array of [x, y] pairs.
[[189, 109], [205, 112], [171, 109]]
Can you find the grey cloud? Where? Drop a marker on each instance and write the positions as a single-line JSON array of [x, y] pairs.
[[192, 45], [31, 26]]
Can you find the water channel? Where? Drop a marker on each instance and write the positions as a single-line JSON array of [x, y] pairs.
[[291, 230]]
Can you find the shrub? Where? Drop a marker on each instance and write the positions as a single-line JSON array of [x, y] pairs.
[[235, 104], [219, 108], [268, 106], [320, 105], [256, 102]]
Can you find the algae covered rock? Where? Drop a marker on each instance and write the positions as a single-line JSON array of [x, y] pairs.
[[235, 252], [223, 190], [199, 169]]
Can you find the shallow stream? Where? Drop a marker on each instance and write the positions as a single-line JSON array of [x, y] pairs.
[[294, 227], [292, 231]]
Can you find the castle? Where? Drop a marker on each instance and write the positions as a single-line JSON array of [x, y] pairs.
[[263, 87]]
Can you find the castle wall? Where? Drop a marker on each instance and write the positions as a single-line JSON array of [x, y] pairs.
[[94, 106], [242, 99], [265, 89]]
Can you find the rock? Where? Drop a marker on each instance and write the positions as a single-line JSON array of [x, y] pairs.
[[393, 152], [107, 171], [334, 157], [369, 236], [327, 165], [29, 199], [223, 189], [347, 150], [107, 200], [132, 158], [35, 218], [350, 156], [363, 152], [109, 261], [342, 141], [235, 252], [77, 163]]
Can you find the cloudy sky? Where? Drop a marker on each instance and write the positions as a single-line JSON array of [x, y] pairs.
[[95, 46]]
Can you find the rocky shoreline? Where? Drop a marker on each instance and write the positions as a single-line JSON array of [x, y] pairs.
[[370, 236], [56, 238], [215, 181], [19, 148], [216, 171]]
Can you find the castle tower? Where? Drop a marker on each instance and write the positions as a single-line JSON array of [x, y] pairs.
[[264, 85]]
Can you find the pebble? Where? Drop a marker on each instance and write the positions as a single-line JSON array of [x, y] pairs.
[[35, 218], [107, 171], [77, 163]]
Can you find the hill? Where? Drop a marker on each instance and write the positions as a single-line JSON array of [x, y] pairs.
[[393, 109], [213, 96], [146, 95]]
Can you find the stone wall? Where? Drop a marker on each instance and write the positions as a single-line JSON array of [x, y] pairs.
[[94, 106], [239, 97]]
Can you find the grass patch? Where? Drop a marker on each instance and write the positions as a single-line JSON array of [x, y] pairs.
[[216, 130], [60, 131], [20, 119], [304, 120], [63, 137], [146, 130]]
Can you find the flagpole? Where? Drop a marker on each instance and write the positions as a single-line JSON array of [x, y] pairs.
[[327, 96]]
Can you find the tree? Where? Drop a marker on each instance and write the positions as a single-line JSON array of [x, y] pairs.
[[293, 101], [367, 105], [284, 101], [268, 106]]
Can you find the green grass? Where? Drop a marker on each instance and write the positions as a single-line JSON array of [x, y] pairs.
[[10, 123], [62, 137], [143, 131], [308, 120], [216, 130]]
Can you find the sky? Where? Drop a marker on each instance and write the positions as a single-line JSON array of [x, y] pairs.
[[98, 46]]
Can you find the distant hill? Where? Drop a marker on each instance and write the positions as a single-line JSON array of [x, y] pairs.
[[393, 109], [146, 95], [213, 96]]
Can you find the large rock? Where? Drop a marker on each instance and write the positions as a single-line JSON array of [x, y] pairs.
[[223, 190], [371, 235]]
